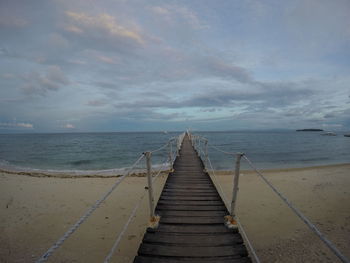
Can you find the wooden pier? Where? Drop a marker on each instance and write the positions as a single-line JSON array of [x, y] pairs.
[[191, 227]]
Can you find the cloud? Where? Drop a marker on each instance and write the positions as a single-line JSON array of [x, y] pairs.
[[69, 126], [8, 76], [10, 21], [107, 60], [227, 94], [156, 61], [96, 103], [11, 125], [100, 56], [219, 67], [58, 41], [101, 27], [174, 14], [37, 84]]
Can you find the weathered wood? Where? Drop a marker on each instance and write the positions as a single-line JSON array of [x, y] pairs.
[[188, 203], [190, 198], [193, 220], [204, 240], [142, 259], [190, 213], [191, 208], [191, 227], [174, 190], [191, 251]]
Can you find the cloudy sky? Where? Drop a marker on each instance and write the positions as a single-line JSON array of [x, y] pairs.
[[118, 65]]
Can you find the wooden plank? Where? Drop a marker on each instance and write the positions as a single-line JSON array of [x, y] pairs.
[[170, 190], [189, 186], [190, 198], [204, 220], [190, 229], [191, 251], [190, 213], [145, 259], [189, 181], [187, 203], [186, 193], [190, 239], [190, 207]]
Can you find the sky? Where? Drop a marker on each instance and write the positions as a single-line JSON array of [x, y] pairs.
[[148, 65]]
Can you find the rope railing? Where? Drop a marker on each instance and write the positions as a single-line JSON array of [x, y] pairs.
[[296, 211], [225, 200], [83, 218], [196, 143], [171, 157], [131, 216]]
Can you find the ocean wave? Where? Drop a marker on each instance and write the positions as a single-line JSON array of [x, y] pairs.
[[81, 162], [6, 167]]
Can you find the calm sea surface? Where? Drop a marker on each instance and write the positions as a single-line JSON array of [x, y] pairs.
[[108, 151]]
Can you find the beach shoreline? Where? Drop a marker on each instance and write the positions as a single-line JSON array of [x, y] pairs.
[[36, 211], [142, 172]]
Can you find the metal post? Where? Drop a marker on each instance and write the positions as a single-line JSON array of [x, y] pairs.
[[235, 184], [150, 186]]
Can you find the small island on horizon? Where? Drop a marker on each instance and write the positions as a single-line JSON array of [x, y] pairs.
[[312, 130]]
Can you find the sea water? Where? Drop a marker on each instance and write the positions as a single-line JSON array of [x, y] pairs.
[[112, 153]]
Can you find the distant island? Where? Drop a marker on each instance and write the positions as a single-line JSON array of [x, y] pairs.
[[312, 130]]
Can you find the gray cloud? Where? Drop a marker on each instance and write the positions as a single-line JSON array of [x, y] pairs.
[[101, 31], [145, 62], [97, 103], [37, 84], [258, 94], [16, 125]]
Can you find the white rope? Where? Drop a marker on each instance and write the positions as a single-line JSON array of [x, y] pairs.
[[251, 248], [173, 155], [72, 229], [161, 148], [328, 243], [159, 171], [132, 215], [221, 190], [218, 149], [121, 234], [256, 259], [165, 145]]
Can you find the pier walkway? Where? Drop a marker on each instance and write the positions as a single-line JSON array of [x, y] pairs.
[[191, 221], [191, 227]]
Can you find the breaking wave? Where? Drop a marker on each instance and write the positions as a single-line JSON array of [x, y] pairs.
[[6, 167]]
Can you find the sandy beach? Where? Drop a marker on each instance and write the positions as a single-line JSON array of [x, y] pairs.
[[36, 211]]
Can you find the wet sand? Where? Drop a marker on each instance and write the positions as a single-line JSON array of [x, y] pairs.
[[36, 211]]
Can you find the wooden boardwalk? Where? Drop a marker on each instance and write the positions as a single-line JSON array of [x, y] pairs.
[[191, 228]]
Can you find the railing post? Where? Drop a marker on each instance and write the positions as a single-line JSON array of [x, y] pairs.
[[154, 220], [206, 153], [199, 146], [178, 146], [150, 185], [235, 183], [170, 156]]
